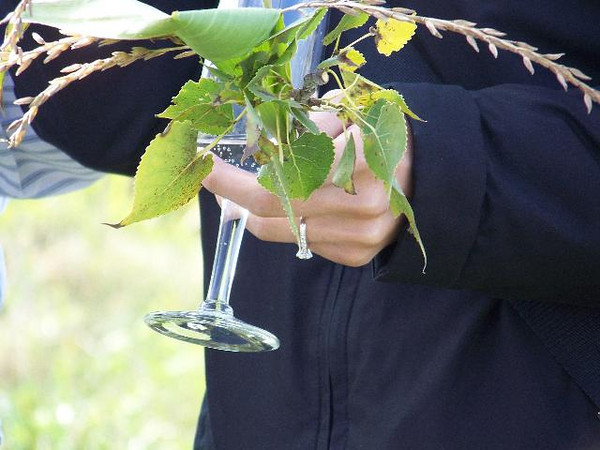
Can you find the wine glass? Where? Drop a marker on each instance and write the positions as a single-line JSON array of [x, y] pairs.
[[213, 324]]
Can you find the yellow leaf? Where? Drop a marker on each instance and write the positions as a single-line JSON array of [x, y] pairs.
[[365, 100], [392, 35], [351, 60], [359, 89]]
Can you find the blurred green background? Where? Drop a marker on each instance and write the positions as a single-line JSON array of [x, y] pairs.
[[78, 367]]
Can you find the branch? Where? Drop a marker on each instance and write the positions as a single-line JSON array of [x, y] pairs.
[[11, 54], [493, 38], [76, 72], [14, 33], [15, 28], [52, 49]]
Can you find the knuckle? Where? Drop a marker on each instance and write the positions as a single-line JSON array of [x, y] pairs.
[[372, 204]]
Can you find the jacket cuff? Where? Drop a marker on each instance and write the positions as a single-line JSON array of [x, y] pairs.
[[449, 175]]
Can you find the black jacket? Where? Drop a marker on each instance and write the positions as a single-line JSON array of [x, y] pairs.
[[498, 344]]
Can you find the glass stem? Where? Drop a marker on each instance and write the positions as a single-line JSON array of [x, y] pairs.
[[229, 239]]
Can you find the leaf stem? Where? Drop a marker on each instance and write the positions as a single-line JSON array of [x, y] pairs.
[[341, 86], [356, 41]]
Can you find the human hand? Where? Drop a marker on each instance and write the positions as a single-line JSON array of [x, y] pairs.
[[343, 228]]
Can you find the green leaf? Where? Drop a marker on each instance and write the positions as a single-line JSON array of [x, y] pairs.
[[244, 67], [169, 175], [307, 162], [287, 54], [215, 34], [345, 169], [227, 70], [272, 175], [112, 19], [348, 60], [299, 29], [273, 47], [231, 94], [303, 171], [394, 96], [196, 102], [274, 116], [347, 22], [384, 143], [399, 205], [265, 83], [309, 26], [221, 34], [384, 137], [301, 116], [253, 62], [253, 126], [329, 62]]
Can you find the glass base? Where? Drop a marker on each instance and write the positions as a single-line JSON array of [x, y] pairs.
[[217, 330]]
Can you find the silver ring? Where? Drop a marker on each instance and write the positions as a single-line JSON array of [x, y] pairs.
[[303, 250]]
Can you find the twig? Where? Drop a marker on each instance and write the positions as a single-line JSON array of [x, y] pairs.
[[493, 38], [14, 33], [77, 72], [51, 49], [11, 54], [15, 28]]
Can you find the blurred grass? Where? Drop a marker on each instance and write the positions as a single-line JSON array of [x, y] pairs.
[[78, 367]]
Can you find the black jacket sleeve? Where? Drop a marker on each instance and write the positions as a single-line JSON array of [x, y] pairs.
[[106, 120], [507, 194], [507, 167]]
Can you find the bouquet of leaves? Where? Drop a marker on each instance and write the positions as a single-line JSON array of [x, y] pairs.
[[250, 52]]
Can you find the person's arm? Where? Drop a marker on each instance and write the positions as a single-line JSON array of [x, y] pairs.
[[507, 194], [506, 185], [106, 120]]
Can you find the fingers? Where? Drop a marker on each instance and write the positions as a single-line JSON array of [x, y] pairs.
[[220, 180], [346, 229], [240, 187], [326, 201], [243, 188], [327, 122], [352, 242]]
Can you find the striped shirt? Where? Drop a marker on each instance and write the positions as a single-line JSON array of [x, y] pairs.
[[36, 169]]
